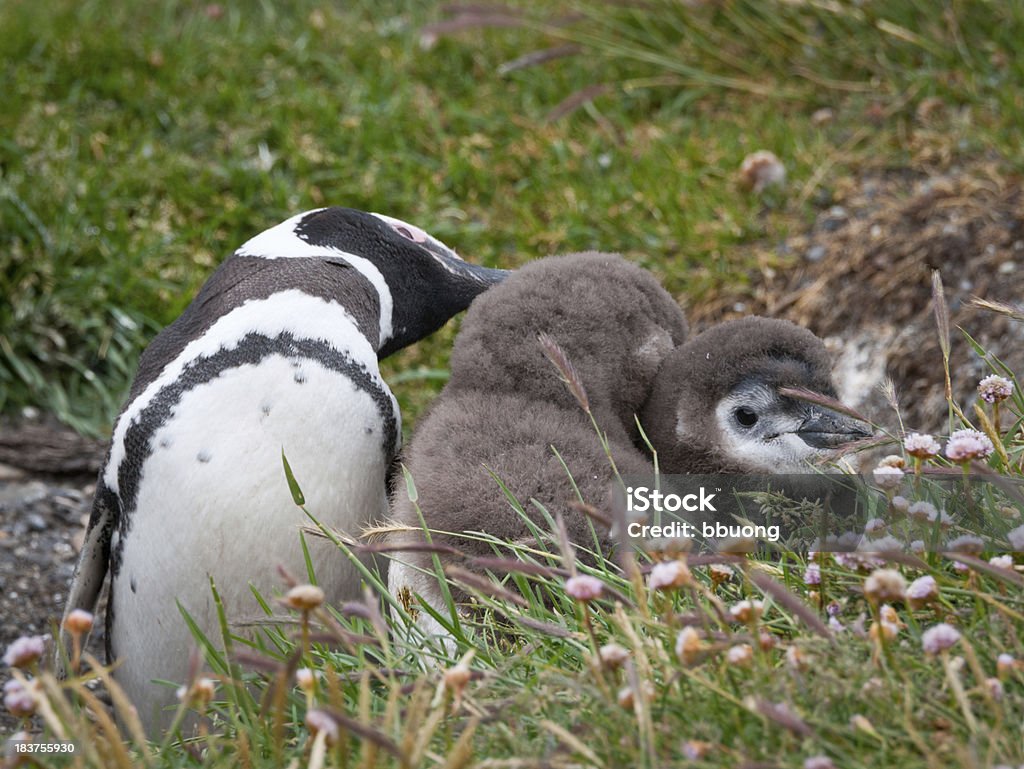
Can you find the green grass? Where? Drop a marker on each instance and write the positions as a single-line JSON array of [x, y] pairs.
[[140, 144], [522, 683]]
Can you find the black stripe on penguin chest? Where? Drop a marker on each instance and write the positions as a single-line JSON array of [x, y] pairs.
[[242, 279], [251, 349]]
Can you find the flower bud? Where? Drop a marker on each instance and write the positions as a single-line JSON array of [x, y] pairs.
[[320, 721], [669, 575], [18, 699], [884, 585], [796, 659], [747, 612], [762, 169], [689, 646], [25, 651], [304, 597], [939, 638], [922, 591], [456, 678], [740, 655], [584, 588], [306, 679], [613, 655], [721, 572], [79, 622]]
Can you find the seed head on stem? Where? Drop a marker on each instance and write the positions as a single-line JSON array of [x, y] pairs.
[[78, 623]]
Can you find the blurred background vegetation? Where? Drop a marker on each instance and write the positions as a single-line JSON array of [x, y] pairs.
[[140, 143]]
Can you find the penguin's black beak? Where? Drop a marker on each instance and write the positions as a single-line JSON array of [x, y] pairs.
[[488, 276], [826, 429]]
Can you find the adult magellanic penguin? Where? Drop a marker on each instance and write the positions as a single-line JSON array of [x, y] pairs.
[[506, 411], [277, 353]]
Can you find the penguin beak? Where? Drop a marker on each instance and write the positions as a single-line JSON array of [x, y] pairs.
[[826, 429], [488, 276]]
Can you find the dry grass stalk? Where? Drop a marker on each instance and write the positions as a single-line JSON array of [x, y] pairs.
[[570, 376]]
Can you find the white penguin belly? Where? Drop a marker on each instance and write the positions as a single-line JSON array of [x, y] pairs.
[[214, 501]]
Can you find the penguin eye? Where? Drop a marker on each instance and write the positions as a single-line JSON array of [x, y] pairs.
[[745, 417]]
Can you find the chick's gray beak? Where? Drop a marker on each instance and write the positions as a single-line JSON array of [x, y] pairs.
[[825, 429]]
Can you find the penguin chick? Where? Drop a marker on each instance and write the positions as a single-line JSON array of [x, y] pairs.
[[716, 406], [278, 352], [505, 412], [611, 318]]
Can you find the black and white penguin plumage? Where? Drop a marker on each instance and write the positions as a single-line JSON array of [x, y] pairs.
[[277, 353], [507, 411], [716, 405]]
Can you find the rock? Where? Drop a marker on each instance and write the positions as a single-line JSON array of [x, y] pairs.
[[9, 473], [815, 253], [21, 494], [45, 446]]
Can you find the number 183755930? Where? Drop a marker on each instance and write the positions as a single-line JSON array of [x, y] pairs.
[[44, 747]]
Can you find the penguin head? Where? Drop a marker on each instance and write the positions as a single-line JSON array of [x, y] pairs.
[[418, 281], [720, 402]]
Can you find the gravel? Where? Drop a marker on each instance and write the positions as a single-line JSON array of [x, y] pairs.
[[42, 523]]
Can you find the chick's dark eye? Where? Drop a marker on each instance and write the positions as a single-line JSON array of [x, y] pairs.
[[745, 417]]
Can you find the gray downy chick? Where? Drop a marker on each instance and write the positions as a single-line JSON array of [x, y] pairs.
[[506, 406]]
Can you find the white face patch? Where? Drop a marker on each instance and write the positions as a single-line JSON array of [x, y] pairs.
[[786, 453], [281, 242], [415, 234], [299, 314], [430, 243], [771, 445]]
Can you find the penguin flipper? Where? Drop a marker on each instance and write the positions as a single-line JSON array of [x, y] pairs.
[[92, 566]]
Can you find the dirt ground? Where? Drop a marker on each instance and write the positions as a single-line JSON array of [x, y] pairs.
[[44, 504], [861, 278]]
